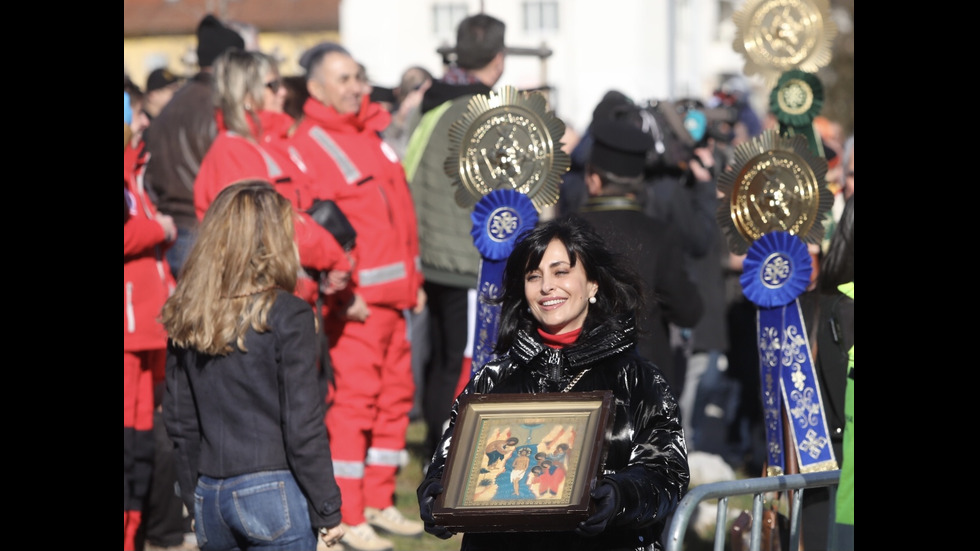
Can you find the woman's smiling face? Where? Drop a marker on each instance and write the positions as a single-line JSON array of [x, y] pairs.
[[557, 292]]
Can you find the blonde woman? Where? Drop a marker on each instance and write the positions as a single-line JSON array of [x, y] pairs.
[[251, 143], [243, 406]]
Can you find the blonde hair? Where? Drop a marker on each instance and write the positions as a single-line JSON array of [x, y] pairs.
[[239, 83], [244, 252]]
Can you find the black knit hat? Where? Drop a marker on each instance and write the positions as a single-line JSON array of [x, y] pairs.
[[160, 78], [213, 38], [620, 147], [614, 106]]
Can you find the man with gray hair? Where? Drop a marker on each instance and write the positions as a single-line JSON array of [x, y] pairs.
[[338, 142]]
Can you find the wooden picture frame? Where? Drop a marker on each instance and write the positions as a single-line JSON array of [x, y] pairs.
[[524, 462]]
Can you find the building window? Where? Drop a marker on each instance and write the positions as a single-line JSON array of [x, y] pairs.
[[446, 17], [541, 16]]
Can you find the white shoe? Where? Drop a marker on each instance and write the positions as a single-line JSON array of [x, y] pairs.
[[392, 521], [363, 538]]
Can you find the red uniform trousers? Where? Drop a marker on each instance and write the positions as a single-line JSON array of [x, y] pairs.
[[138, 375], [368, 419]]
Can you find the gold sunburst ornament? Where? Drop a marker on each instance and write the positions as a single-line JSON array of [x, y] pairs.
[[776, 36], [776, 184], [507, 140]]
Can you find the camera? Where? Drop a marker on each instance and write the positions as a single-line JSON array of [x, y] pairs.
[[677, 128]]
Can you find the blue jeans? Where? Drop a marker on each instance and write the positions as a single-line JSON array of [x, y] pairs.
[[177, 253], [264, 510]]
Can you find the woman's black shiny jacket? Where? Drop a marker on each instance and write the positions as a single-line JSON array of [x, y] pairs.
[[647, 454]]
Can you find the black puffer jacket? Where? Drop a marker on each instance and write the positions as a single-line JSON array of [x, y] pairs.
[[647, 456]]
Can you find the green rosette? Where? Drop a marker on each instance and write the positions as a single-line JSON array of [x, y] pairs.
[[797, 99]]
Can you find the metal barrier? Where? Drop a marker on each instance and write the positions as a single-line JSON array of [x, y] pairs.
[[757, 487]]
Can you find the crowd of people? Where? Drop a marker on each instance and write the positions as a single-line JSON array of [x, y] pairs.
[[272, 363]]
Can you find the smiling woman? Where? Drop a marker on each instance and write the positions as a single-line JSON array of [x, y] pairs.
[[552, 339], [556, 291]]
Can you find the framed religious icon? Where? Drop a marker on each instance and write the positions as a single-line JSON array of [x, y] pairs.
[[524, 462]]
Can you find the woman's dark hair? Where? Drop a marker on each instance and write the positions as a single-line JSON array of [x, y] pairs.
[[620, 290], [296, 96], [837, 266]]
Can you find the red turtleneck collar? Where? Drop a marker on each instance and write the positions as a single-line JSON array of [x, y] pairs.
[[559, 341]]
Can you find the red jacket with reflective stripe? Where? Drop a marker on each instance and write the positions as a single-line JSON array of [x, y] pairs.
[[233, 157], [349, 162], [147, 281]]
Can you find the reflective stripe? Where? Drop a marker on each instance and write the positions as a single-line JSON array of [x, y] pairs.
[[382, 274], [297, 158], [130, 313], [330, 147], [270, 164], [348, 469], [391, 458]]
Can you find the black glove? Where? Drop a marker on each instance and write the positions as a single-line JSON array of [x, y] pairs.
[[605, 496], [427, 498]]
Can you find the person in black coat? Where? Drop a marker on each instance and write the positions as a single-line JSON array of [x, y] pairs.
[[243, 405], [614, 177], [567, 323]]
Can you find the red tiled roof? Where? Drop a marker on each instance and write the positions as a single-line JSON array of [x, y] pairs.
[[165, 17]]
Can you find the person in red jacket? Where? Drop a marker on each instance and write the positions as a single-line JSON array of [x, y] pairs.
[[339, 143], [147, 282], [252, 128]]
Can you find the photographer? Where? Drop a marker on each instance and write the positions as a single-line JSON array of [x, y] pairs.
[[683, 166], [682, 189]]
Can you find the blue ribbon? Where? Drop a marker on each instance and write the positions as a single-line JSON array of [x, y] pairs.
[[776, 270], [498, 219]]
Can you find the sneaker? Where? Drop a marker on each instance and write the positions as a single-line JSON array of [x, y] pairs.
[[391, 520], [363, 538]]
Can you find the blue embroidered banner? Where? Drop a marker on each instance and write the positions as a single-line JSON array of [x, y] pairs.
[[498, 219], [776, 271]]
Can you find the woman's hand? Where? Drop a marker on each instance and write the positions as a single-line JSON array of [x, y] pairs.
[[357, 310], [605, 496], [330, 536], [336, 281], [427, 498]]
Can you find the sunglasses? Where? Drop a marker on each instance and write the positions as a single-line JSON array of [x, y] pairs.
[[274, 85]]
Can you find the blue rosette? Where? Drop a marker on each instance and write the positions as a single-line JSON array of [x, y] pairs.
[[776, 269], [498, 218]]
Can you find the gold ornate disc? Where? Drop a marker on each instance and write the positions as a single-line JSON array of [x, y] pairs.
[[775, 36], [776, 184], [507, 140]]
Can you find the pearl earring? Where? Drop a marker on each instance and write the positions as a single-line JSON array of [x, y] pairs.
[[591, 300]]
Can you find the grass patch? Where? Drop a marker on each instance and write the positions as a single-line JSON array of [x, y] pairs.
[[409, 478]]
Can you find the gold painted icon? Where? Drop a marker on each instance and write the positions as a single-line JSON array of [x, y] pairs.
[[776, 184], [507, 140], [775, 36]]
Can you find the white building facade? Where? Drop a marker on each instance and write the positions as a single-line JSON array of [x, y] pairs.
[[647, 49]]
